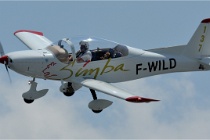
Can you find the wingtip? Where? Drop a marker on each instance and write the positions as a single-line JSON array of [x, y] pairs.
[[29, 31], [137, 99]]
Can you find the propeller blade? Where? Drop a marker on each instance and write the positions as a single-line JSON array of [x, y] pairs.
[[1, 50], [4, 60], [8, 73]]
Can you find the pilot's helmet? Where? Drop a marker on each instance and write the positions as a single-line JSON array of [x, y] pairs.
[[84, 45]]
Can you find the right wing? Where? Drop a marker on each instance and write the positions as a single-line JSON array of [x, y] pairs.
[[32, 39], [113, 91]]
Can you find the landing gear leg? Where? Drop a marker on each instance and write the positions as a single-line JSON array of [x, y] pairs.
[[93, 94], [29, 101]]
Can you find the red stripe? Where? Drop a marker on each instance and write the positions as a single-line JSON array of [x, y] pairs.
[[86, 63], [30, 31], [206, 20]]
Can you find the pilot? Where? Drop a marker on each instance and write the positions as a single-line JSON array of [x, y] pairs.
[[84, 55]]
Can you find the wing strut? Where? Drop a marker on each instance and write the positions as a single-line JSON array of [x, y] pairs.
[[93, 94]]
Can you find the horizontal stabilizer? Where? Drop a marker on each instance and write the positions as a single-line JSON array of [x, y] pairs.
[[205, 61]]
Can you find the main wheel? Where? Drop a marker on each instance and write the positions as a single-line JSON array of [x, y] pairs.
[[97, 111], [28, 101]]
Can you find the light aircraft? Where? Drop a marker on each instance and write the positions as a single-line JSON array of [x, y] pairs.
[[51, 61]]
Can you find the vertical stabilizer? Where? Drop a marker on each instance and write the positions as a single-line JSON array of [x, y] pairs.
[[199, 44]]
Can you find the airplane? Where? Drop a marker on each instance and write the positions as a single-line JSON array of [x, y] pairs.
[[58, 61]]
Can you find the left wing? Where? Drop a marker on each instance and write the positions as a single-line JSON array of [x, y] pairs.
[[113, 91], [33, 39]]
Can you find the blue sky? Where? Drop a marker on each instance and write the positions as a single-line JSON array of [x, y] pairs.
[[184, 109]]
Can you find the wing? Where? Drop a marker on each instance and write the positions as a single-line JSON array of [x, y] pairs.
[[33, 39], [113, 91]]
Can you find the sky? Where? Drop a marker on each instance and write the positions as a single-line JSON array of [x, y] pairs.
[[184, 109]]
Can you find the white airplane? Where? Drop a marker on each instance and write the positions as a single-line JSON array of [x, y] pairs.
[[111, 62]]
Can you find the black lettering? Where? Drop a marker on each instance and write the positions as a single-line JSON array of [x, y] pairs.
[[138, 68], [164, 67], [159, 65], [153, 66], [172, 63]]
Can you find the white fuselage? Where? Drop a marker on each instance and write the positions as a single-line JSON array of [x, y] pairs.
[[138, 64]]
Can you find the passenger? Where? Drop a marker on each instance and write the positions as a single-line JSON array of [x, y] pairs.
[[106, 56], [112, 53], [84, 55]]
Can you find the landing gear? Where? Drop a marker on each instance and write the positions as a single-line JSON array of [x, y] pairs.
[[97, 105], [67, 89], [93, 92], [32, 94], [97, 111], [28, 101]]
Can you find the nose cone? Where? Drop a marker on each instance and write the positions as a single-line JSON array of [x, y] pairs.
[[4, 59]]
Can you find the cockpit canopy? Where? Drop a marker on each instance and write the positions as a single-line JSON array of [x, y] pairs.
[[100, 48]]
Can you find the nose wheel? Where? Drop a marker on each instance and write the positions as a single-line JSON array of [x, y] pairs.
[[32, 94], [28, 101]]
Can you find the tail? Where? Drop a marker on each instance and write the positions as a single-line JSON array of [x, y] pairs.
[[197, 48], [199, 44]]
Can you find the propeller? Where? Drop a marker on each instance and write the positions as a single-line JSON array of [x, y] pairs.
[[4, 60]]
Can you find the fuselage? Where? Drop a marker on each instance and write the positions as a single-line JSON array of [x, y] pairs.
[[137, 64]]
